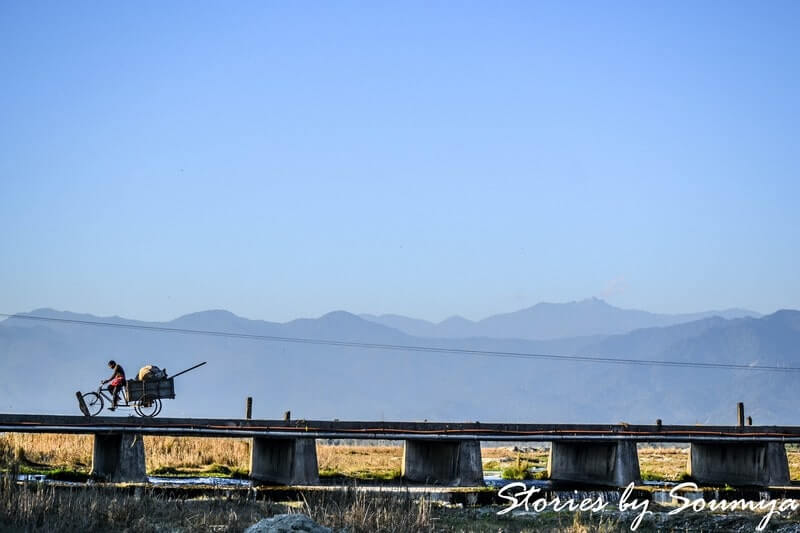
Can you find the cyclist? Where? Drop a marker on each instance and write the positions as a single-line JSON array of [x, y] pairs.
[[115, 382]]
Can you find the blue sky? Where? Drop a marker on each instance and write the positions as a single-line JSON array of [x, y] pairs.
[[285, 159]]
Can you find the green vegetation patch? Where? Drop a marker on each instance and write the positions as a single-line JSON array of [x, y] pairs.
[[648, 475], [363, 475], [56, 474], [213, 470], [65, 474], [520, 470]]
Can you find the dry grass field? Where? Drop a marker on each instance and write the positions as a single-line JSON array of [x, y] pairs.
[[794, 461], [498, 458], [75, 451], [40, 507], [35, 507], [363, 462], [663, 464], [190, 455]]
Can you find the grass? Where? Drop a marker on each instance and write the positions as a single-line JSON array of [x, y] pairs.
[[648, 475], [225, 471], [214, 470], [38, 507], [71, 455], [170, 471], [35, 508], [56, 474], [516, 464], [518, 471], [522, 472], [793, 452], [362, 475], [47, 450], [360, 462], [663, 463], [504, 454], [190, 457]]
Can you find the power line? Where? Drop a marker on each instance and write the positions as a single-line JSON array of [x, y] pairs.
[[414, 348]]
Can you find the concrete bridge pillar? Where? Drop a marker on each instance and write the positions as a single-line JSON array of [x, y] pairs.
[[453, 463], [284, 461], [761, 464], [612, 463], [118, 458]]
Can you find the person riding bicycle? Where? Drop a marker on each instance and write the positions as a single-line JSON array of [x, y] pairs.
[[115, 382]]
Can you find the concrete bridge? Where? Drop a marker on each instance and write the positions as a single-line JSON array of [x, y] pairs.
[[284, 451]]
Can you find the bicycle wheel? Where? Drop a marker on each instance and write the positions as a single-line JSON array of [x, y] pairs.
[[148, 407], [94, 403]]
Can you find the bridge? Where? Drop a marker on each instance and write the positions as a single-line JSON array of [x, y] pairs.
[[284, 451]]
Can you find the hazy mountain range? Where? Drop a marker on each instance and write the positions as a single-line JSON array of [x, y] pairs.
[[43, 363], [592, 316]]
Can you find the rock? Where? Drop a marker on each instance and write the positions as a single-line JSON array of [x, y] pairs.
[[287, 523]]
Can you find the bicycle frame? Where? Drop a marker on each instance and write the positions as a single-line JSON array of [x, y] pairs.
[[106, 394]]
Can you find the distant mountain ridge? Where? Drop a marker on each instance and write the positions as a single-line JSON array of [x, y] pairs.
[[373, 383], [334, 325], [542, 321]]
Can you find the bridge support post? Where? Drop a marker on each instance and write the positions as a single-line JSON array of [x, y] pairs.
[[284, 461], [760, 464], [118, 458], [453, 463], [614, 463]]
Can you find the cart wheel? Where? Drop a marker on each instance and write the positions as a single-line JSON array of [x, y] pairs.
[[94, 403], [148, 407]]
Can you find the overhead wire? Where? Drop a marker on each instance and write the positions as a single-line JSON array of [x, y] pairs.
[[414, 348]]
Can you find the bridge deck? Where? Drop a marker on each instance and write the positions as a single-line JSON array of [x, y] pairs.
[[327, 429]]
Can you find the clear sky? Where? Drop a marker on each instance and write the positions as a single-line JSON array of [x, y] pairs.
[[285, 159]]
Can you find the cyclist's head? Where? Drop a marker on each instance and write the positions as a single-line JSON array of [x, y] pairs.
[[112, 363]]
